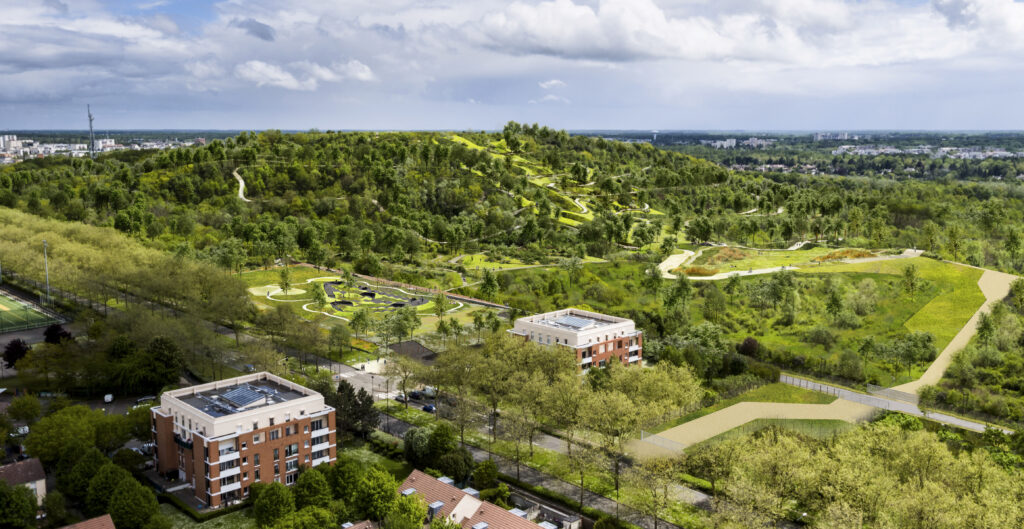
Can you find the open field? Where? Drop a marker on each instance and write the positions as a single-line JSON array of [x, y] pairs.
[[956, 299], [816, 428], [16, 315]]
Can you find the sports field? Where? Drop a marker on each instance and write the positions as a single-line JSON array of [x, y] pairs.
[[17, 316]]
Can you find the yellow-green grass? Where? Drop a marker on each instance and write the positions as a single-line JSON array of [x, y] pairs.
[[399, 469], [569, 221], [272, 276], [958, 297], [479, 260], [15, 314], [777, 392]]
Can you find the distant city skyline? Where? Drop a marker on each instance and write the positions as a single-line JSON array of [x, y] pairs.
[[682, 65]]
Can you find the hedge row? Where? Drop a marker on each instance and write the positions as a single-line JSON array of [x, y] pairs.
[[165, 497], [565, 501]]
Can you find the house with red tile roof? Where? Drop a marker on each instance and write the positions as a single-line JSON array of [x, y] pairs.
[[463, 506], [99, 522]]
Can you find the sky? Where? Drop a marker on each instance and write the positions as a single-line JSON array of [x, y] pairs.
[[573, 64]]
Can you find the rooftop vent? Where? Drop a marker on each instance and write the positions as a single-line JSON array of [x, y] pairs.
[[446, 480], [518, 512], [433, 509], [472, 492], [408, 491], [346, 525], [481, 525], [548, 525]]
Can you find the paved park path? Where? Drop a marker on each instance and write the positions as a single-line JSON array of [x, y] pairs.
[[850, 406], [241, 186]]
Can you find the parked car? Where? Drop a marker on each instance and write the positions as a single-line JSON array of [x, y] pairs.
[[21, 431], [108, 398], [147, 398], [429, 408], [430, 391], [415, 395], [401, 397]]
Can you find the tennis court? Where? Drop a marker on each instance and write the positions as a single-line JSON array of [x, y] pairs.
[[16, 315]]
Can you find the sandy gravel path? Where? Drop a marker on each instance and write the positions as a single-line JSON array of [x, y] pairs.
[[673, 262], [995, 286]]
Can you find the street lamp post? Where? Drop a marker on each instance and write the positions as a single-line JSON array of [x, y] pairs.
[[46, 264]]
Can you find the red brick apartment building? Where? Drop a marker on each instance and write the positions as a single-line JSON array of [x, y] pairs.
[[223, 436], [595, 338]]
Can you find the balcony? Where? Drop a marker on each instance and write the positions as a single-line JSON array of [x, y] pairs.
[[232, 487], [321, 446], [634, 358], [321, 461], [320, 432], [634, 348], [182, 442], [587, 361], [228, 455], [227, 473]]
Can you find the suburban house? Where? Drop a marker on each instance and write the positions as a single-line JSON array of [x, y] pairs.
[[463, 506], [219, 438], [28, 473], [99, 522], [595, 338]]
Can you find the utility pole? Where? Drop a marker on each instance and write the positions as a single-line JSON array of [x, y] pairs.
[[92, 139], [46, 264]]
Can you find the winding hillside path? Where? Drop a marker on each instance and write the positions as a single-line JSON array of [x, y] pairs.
[[241, 186], [850, 406]]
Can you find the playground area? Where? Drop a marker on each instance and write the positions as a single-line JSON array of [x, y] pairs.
[[343, 300], [17, 315]]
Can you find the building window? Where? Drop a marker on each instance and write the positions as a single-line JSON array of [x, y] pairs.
[[277, 469], [255, 425], [277, 455], [245, 476], [245, 460], [256, 439], [256, 459], [271, 421], [290, 478], [243, 445], [317, 424], [307, 458], [305, 429], [256, 475], [274, 434], [291, 450], [291, 466]]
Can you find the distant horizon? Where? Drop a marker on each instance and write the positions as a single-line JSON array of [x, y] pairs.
[[580, 130]]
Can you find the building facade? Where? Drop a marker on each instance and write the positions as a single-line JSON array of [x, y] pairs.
[[223, 436], [596, 339], [462, 506]]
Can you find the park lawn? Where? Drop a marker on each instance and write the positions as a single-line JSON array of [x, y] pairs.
[[482, 261], [777, 392], [272, 276], [241, 519]]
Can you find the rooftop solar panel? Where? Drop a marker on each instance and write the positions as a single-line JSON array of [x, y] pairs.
[[242, 396], [574, 322]]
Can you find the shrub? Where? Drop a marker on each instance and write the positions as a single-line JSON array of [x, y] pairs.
[[386, 444], [736, 384], [700, 271], [750, 347], [497, 495], [767, 372], [821, 336], [486, 475]]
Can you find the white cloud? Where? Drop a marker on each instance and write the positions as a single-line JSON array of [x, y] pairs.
[[263, 73], [553, 83], [550, 98], [354, 69]]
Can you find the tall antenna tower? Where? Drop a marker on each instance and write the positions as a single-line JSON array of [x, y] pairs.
[[92, 139]]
